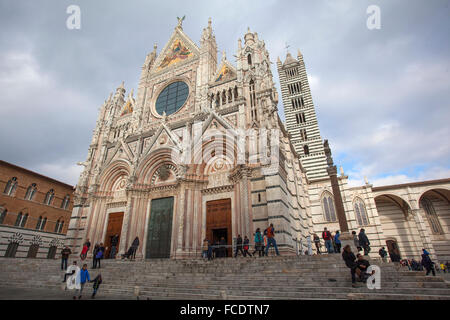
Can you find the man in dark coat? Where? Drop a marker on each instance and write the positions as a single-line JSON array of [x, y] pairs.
[[428, 264], [364, 241], [114, 242], [238, 246]]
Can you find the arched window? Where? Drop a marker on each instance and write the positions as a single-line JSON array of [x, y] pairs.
[[49, 197], [328, 207], [3, 213], [61, 224], [24, 221], [65, 202], [253, 100], [11, 186], [360, 212], [306, 150], [18, 220], [30, 192], [249, 59], [41, 223], [432, 217]]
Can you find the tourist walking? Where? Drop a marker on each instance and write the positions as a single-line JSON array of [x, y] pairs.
[[84, 277], [114, 243], [271, 239], [364, 241], [427, 263], [317, 243], [258, 242], [94, 255], [356, 241], [99, 256], [264, 244], [97, 282], [64, 257], [349, 258], [326, 236], [383, 254], [246, 246], [134, 247], [337, 242], [238, 246]]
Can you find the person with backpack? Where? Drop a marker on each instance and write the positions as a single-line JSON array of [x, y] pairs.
[[364, 241], [99, 255], [97, 282], [427, 263], [317, 242], [246, 246], [383, 254], [271, 239], [238, 246], [326, 236], [337, 242], [258, 242]]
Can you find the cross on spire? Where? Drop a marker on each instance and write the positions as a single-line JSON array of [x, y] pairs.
[[287, 47]]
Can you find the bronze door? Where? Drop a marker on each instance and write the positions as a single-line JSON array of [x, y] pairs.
[[160, 228], [114, 227], [32, 252], [218, 221]]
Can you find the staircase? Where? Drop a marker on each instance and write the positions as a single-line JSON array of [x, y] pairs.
[[304, 277]]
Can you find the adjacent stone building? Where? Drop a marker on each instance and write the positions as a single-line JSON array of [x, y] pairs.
[[35, 212], [200, 152]]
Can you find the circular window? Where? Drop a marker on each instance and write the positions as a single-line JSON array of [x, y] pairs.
[[172, 98]]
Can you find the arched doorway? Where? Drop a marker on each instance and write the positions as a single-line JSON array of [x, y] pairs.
[[218, 222], [52, 252], [393, 249]]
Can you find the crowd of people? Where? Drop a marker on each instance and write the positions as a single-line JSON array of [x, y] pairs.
[[76, 278], [333, 243], [262, 243]]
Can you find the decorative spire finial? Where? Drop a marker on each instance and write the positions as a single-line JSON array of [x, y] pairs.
[[180, 22]]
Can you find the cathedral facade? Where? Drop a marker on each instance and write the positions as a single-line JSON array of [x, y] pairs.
[[200, 152]]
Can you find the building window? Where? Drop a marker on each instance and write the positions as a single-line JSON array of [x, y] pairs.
[[303, 134], [328, 207], [300, 118], [249, 59], [49, 197], [11, 186], [30, 192], [18, 220], [24, 221], [306, 150], [3, 215], [432, 217], [360, 213], [65, 202], [59, 225], [253, 100], [41, 223]]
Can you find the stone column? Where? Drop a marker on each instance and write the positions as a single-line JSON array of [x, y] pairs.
[[125, 227], [180, 220], [346, 238]]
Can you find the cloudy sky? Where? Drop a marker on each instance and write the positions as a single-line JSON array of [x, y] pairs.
[[382, 96]]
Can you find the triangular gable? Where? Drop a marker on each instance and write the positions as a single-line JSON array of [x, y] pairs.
[[177, 50], [128, 108], [225, 72], [163, 132], [115, 154]]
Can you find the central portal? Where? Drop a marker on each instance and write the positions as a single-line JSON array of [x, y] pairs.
[[160, 229], [218, 222]]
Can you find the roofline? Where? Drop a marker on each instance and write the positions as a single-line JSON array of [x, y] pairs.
[[2, 162], [411, 184]]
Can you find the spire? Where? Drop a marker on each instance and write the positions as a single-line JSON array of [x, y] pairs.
[[120, 91], [224, 56]]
